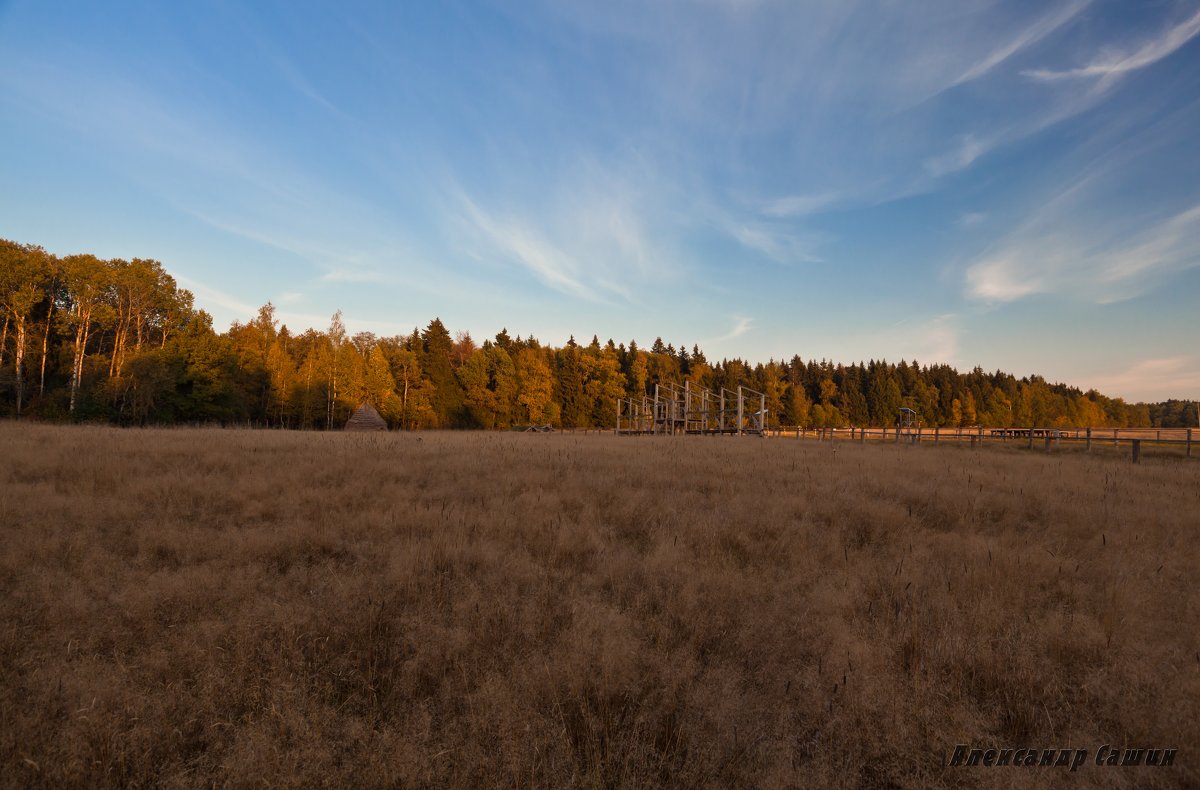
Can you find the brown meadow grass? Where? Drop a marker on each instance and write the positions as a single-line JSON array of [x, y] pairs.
[[208, 607]]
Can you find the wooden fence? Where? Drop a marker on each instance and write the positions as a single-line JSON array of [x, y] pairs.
[[1046, 439]]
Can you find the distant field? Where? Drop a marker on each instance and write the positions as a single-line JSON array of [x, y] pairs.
[[200, 607]]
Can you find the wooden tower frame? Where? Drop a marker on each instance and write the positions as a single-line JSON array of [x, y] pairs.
[[691, 410]]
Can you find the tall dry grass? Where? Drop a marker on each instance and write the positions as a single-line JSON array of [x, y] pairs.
[[199, 607]]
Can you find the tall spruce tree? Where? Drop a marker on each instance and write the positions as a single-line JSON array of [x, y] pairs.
[[447, 399]]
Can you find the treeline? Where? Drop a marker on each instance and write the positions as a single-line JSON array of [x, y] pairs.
[[115, 340]]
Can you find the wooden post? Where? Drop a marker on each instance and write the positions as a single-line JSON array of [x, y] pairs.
[[936, 434], [862, 435], [1031, 437], [1137, 451], [1158, 437], [1048, 442], [1089, 440], [1116, 442], [1188, 453], [741, 409]]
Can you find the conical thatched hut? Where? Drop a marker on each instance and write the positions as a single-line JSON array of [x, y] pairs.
[[365, 418]]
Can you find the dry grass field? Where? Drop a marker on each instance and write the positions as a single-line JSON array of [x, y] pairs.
[[207, 607]]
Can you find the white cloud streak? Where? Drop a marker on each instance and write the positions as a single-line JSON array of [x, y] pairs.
[[962, 156], [740, 328], [1116, 65], [779, 243], [207, 295], [522, 244], [742, 325], [587, 239], [800, 205], [1028, 37], [1090, 264]]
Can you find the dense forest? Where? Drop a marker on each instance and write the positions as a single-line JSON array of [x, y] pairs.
[[118, 341]]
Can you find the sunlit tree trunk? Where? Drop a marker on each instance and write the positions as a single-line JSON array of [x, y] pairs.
[[112, 359], [337, 337], [81, 333], [20, 362], [45, 351], [404, 400], [120, 338]]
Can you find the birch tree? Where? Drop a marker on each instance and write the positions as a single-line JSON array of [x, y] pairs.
[[86, 279], [24, 275]]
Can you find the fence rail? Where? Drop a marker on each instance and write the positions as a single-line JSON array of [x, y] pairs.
[[1046, 439]]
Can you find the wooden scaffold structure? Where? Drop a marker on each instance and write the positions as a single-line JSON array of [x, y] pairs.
[[692, 410]]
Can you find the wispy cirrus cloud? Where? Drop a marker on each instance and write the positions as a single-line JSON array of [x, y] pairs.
[[968, 149], [779, 242], [726, 343], [586, 237], [519, 242], [1093, 264], [1115, 65], [1037, 31], [209, 295], [1169, 246], [800, 205], [741, 326]]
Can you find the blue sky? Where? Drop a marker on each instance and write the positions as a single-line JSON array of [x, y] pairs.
[[1014, 185]]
